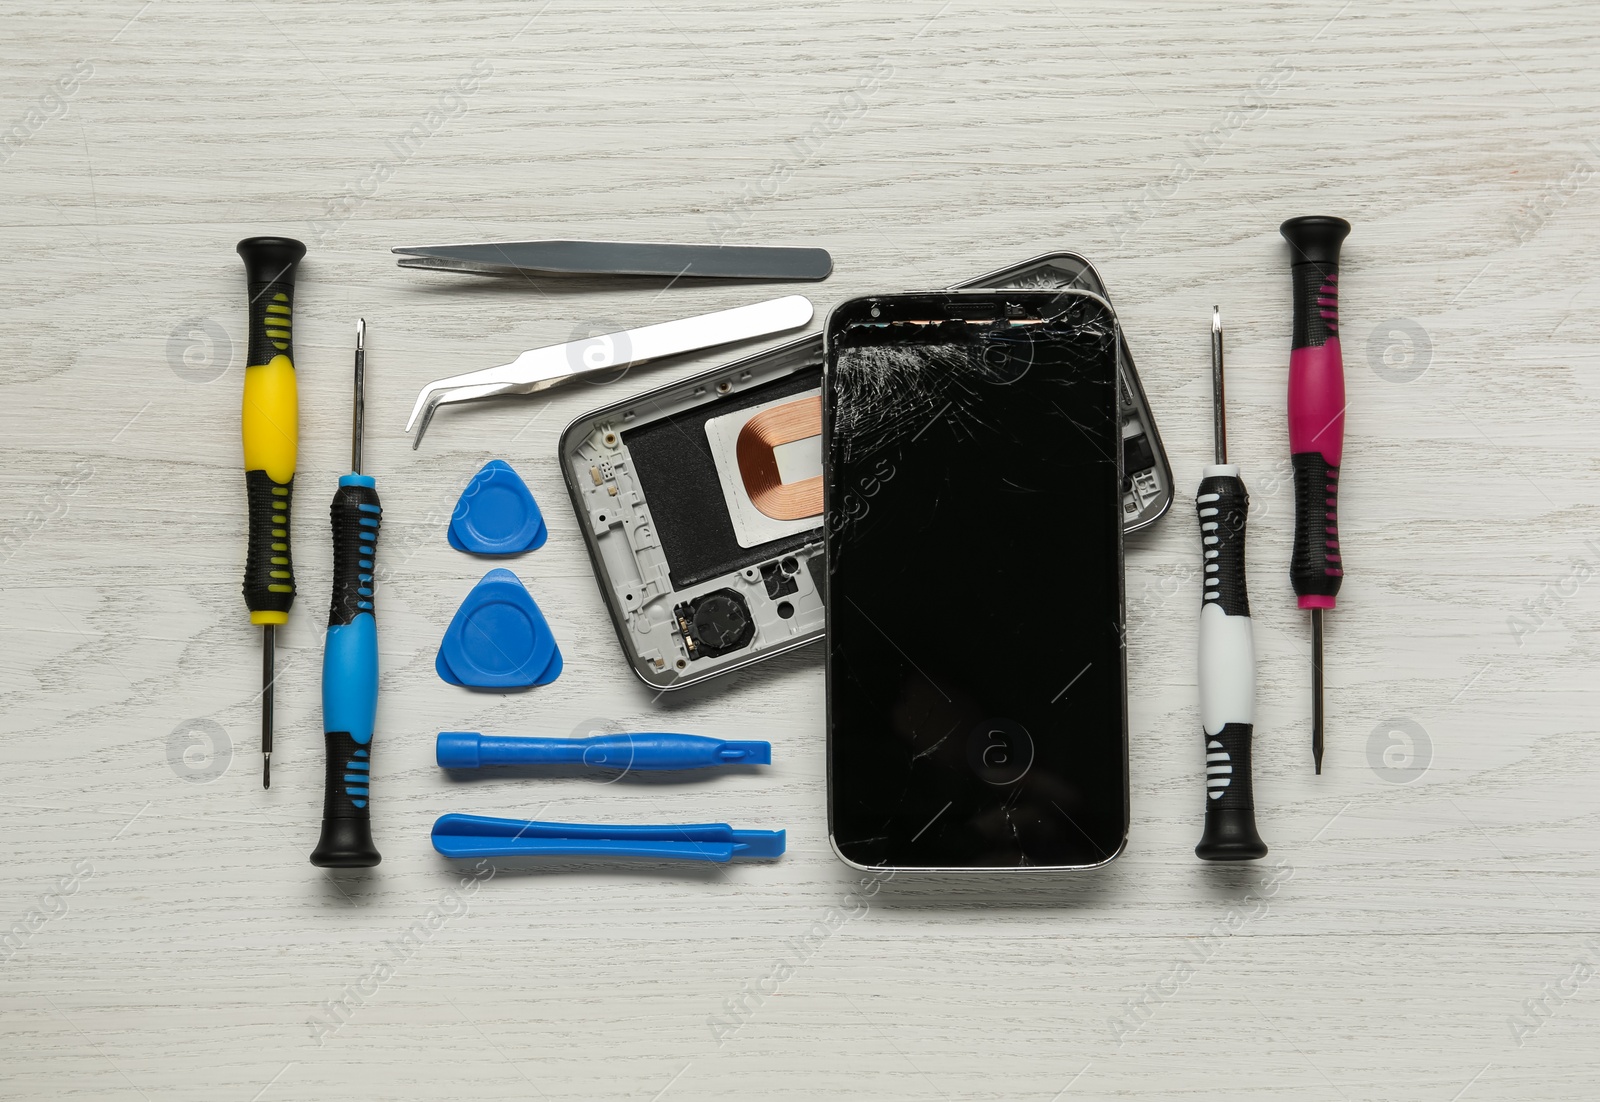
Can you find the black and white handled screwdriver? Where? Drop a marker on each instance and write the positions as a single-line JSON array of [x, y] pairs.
[[1227, 650]]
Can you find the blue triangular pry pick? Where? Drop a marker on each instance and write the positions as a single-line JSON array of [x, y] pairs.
[[499, 639], [496, 514]]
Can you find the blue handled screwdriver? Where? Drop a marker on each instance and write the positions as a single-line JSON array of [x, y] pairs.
[[350, 657]]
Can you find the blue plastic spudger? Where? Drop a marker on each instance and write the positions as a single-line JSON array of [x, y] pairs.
[[647, 750], [496, 514], [483, 836]]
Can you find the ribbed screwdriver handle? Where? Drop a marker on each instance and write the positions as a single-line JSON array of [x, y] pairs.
[[268, 566], [346, 841], [1224, 506], [346, 808], [350, 679], [357, 514], [270, 424], [1316, 406], [1315, 567], [1227, 670], [1228, 763]]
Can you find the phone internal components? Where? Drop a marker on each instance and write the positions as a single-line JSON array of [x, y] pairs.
[[715, 624]]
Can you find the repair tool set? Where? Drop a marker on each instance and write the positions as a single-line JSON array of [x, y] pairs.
[[715, 512]]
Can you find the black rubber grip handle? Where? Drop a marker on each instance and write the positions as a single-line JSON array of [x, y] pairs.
[[1230, 830], [357, 514], [1314, 320], [1314, 244], [1234, 741], [346, 841], [1315, 564], [1224, 505], [268, 568], [269, 268]]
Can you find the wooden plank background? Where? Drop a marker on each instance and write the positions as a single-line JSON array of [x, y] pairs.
[[1425, 925]]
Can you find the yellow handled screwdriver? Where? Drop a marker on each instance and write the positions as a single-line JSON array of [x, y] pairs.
[[271, 427]]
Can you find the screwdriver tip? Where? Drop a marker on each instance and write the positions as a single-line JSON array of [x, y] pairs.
[[361, 333], [1216, 320], [266, 770]]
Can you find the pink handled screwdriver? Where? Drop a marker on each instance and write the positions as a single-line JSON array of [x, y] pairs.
[[1316, 430]]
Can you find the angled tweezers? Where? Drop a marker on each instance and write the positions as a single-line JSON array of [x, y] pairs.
[[542, 368]]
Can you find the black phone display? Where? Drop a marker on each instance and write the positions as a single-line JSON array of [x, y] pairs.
[[972, 503]]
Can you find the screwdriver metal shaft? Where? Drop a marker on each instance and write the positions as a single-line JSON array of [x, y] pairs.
[[269, 654]]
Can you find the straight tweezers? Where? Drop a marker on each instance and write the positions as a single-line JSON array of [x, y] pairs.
[[625, 258]]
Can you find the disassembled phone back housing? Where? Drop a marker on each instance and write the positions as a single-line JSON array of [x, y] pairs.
[[691, 592]]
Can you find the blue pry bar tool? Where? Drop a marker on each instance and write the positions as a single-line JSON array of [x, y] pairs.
[[652, 750], [482, 836]]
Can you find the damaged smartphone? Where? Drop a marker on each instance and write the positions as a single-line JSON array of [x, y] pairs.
[[700, 502], [972, 482]]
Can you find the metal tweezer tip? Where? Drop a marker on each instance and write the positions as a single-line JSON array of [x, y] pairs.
[[422, 425]]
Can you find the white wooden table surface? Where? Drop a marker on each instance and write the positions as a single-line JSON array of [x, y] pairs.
[[1425, 926]]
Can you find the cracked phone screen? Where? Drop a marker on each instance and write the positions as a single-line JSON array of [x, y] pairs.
[[976, 675]]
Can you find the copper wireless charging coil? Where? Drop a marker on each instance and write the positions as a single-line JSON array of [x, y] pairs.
[[758, 460]]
